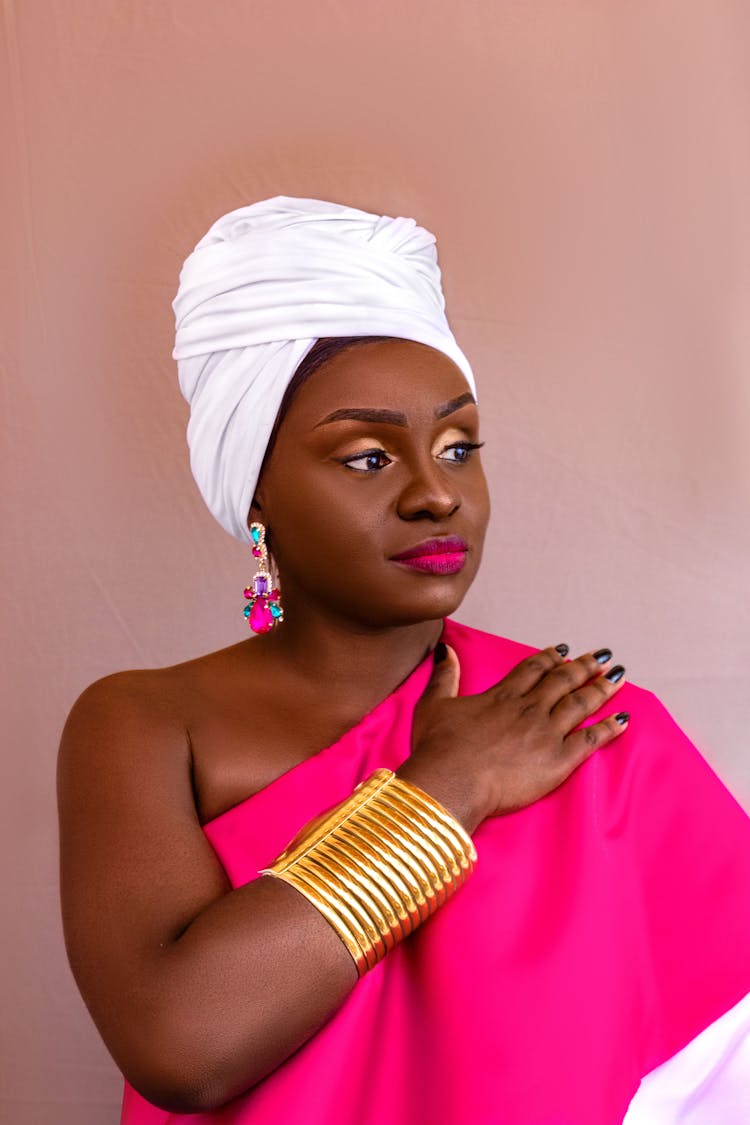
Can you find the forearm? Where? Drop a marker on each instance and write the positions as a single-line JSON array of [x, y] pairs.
[[249, 980], [458, 790]]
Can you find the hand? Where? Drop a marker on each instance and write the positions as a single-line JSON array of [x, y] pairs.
[[496, 752]]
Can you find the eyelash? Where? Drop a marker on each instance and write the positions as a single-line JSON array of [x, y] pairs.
[[469, 446]]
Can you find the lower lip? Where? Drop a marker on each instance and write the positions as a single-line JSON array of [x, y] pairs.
[[436, 564]]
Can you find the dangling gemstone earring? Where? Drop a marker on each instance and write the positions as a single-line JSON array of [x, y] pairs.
[[263, 609]]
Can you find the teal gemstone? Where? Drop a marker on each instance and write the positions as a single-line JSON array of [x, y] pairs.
[[275, 609], [247, 611], [255, 533]]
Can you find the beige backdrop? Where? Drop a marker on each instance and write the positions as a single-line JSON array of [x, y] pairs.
[[587, 169]]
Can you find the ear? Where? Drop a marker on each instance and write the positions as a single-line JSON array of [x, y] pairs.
[[255, 515]]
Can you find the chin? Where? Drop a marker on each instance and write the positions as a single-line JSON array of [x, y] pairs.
[[396, 601], [428, 606], [431, 597]]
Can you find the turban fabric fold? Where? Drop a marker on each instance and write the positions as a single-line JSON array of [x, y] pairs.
[[259, 289]]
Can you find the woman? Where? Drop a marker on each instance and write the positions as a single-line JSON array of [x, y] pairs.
[[602, 922]]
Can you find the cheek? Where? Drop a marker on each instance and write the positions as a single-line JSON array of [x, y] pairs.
[[474, 495], [327, 520], [484, 508]]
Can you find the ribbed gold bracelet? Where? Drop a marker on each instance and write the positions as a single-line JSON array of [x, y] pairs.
[[378, 864]]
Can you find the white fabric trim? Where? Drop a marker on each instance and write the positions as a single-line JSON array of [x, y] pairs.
[[706, 1083]]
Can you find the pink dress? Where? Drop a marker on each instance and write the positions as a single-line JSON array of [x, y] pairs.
[[605, 927]]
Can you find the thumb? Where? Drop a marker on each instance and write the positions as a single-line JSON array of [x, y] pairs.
[[443, 683]]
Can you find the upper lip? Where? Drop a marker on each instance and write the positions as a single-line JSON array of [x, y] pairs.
[[448, 545]]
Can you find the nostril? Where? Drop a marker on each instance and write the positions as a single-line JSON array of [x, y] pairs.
[[428, 492]]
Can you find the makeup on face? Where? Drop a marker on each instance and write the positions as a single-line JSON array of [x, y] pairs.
[[445, 555], [455, 443], [376, 475]]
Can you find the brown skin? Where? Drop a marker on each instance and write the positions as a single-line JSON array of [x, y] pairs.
[[199, 990]]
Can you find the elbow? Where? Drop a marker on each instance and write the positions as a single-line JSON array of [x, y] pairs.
[[180, 1090], [183, 1073], [174, 1094]]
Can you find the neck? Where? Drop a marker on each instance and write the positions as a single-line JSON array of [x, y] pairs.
[[364, 662]]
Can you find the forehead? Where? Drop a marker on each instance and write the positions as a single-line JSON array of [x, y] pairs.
[[390, 374]]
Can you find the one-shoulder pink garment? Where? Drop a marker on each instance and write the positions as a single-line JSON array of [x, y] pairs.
[[605, 926]]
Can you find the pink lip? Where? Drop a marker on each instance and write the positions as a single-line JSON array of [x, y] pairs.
[[436, 556], [436, 564]]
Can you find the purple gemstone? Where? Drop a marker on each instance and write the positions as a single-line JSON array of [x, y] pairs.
[[260, 584]]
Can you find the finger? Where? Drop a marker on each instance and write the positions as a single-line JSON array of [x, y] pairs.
[[568, 677], [526, 675], [581, 744], [580, 704], [443, 683]]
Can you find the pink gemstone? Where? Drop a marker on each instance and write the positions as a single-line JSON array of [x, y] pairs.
[[248, 592], [261, 619], [256, 552]]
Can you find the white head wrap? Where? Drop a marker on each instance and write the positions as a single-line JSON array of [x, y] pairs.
[[259, 289]]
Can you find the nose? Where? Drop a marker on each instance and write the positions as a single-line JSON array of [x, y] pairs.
[[429, 493]]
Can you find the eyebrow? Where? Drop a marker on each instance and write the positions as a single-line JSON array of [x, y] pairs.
[[392, 417], [454, 404]]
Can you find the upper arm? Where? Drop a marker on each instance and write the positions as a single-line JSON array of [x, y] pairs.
[[136, 868]]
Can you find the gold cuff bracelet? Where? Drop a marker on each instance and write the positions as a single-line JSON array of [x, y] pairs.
[[378, 864]]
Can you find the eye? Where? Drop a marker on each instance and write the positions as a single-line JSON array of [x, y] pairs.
[[461, 451], [371, 461]]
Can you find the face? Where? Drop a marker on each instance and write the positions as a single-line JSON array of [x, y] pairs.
[[374, 496]]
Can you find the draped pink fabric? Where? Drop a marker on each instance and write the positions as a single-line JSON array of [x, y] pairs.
[[605, 926]]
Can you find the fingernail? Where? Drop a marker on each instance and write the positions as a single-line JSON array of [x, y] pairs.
[[562, 649], [615, 674], [441, 651], [603, 655], [622, 717]]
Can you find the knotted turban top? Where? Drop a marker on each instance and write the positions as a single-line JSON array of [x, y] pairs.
[[259, 289]]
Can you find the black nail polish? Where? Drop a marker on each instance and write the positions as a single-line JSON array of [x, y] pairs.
[[440, 652], [603, 655], [615, 674], [562, 649], [622, 717]]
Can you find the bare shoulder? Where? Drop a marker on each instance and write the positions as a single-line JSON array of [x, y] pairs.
[[157, 695], [122, 695], [137, 700], [128, 718]]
